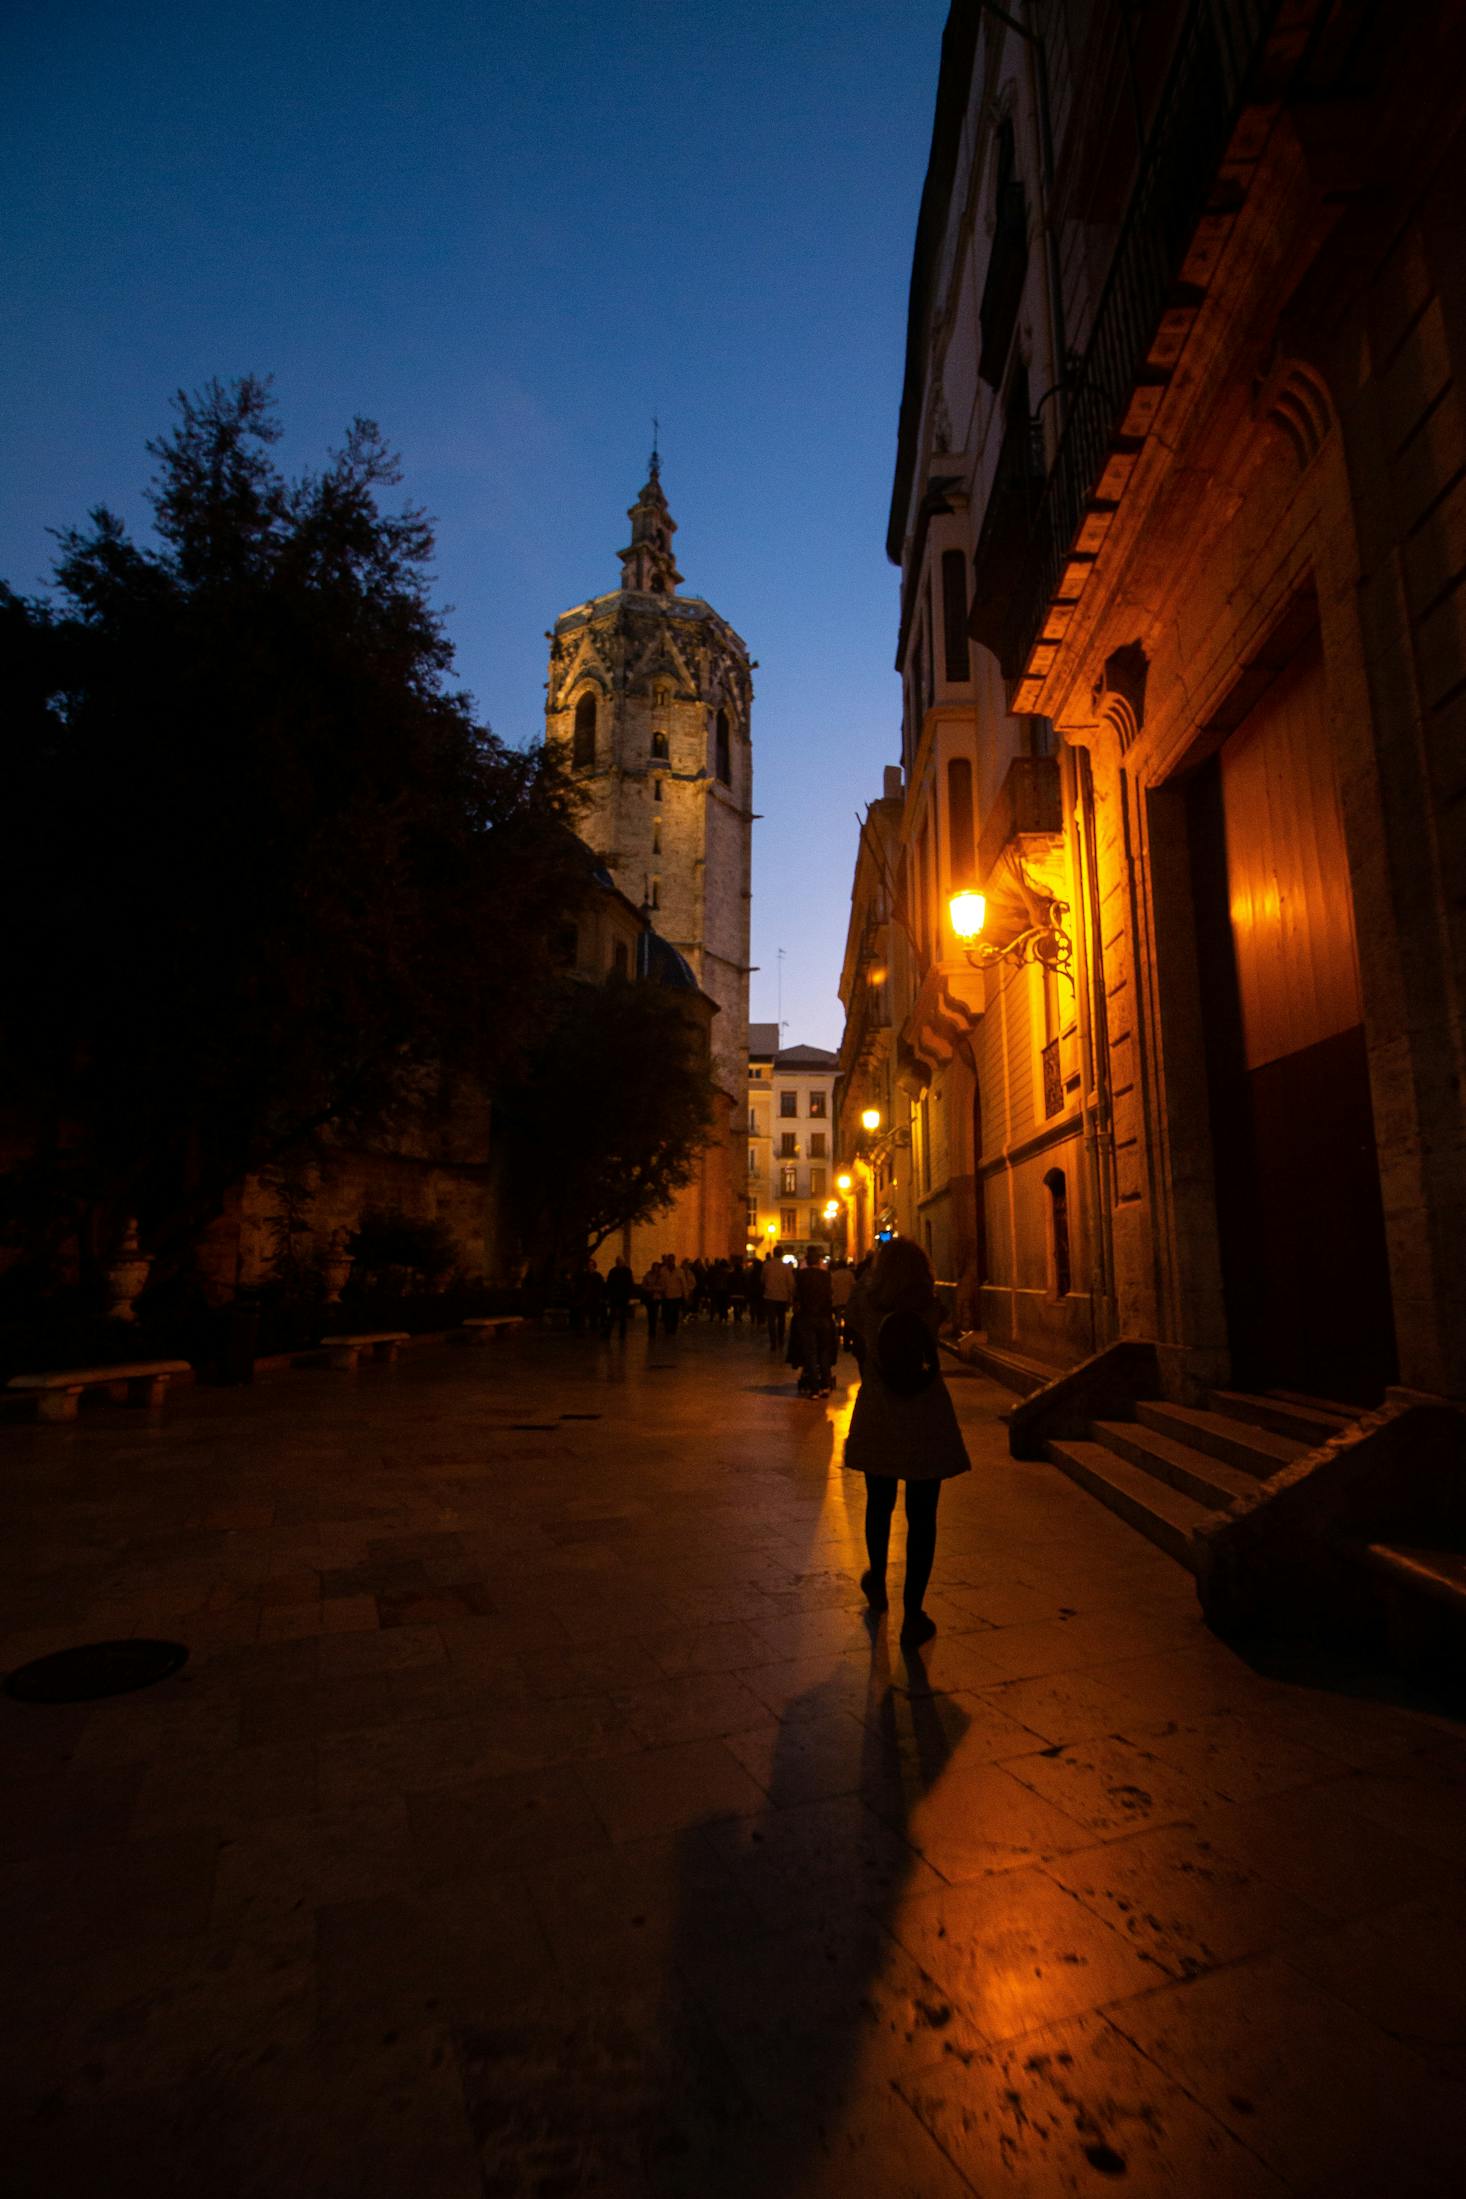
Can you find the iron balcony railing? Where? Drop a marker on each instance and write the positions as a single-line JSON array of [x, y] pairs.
[[1219, 44]]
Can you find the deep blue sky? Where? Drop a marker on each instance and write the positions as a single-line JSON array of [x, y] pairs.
[[510, 233]]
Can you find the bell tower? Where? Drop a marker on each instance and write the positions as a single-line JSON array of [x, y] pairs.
[[648, 702]]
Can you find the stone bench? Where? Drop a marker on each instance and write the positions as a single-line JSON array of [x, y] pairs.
[[480, 1327], [58, 1395], [345, 1351]]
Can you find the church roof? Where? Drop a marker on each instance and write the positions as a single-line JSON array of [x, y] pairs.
[[658, 959]]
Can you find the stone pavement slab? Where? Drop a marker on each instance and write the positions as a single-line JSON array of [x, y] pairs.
[[541, 1811]]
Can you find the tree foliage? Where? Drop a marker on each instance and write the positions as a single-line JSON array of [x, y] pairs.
[[262, 869], [607, 1121]]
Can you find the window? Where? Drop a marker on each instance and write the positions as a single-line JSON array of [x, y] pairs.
[[659, 747], [925, 1142], [583, 747], [621, 959], [816, 1145], [752, 1161], [788, 1221], [788, 1103], [816, 1183], [656, 790], [753, 1119], [961, 846], [567, 946], [1058, 1191], [752, 1218], [789, 1181], [656, 893], [817, 1106], [954, 614], [724, 746], [788, 1149], [657, 837]]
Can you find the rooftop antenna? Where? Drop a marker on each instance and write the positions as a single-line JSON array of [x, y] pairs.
[[779, 1013]]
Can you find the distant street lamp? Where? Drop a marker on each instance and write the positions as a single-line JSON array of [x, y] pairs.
[[844, 1180]]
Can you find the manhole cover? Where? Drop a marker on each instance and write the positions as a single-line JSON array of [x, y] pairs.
[[100, 1668]]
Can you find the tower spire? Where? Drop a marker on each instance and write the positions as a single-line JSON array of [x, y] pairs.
[[647, 564]]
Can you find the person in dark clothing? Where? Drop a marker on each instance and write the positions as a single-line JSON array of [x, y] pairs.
[[814, 1316], [587, 1294], [903, 1427], [620, 1288]]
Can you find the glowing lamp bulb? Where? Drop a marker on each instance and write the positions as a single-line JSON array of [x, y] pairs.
[[968, 912], [871, 1119], [844, 1182]]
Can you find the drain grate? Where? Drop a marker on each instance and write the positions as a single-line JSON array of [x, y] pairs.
[[98, 1669]]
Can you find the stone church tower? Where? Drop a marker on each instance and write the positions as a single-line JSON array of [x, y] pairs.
[[648, 700]]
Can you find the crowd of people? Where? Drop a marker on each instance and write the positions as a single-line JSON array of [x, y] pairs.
[[800, 1304]]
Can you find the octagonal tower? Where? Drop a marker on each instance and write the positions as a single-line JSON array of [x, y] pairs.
[[648, 700]]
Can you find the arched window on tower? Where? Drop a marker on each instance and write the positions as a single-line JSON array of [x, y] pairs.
[[724, 749], [659, 747], [583, 747]]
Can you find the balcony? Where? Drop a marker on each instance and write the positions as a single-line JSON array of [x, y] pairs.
[[1004, 541], [1182, 208]]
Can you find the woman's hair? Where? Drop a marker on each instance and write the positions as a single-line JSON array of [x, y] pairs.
[[901, 1280]]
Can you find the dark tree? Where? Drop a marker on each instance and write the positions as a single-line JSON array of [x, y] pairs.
[[608, 1120], [262, 870]]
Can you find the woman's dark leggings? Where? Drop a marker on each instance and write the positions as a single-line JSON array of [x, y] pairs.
[[921, 1531]]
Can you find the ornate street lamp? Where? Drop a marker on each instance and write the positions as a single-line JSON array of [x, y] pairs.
[[1047, 943], [871, 1119]]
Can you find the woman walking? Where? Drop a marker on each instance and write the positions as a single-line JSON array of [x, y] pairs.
[[903, 1427]]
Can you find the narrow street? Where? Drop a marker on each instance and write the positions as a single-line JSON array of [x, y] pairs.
[[539, 1812]]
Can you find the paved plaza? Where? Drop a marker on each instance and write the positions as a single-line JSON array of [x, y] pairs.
[[539, 1812]]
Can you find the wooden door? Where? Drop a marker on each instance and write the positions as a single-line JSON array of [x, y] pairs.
[[1299, 1209]]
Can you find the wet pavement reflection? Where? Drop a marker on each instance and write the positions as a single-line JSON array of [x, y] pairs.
[[541, 1811]]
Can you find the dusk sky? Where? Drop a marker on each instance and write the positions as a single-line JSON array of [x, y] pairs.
[[510, 234]]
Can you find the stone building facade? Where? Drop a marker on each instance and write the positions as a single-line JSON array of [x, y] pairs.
[[1179, 510], [792, 1142], [648, 701]]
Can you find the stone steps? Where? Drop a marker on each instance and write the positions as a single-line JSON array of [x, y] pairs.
[[1308, 1420], [1256, 1451], [1206, 1480], [1173, 1466], [1158, 1510], [1010, 1368]]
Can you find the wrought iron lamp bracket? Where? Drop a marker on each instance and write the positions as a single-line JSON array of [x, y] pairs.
[[1047, 944]]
